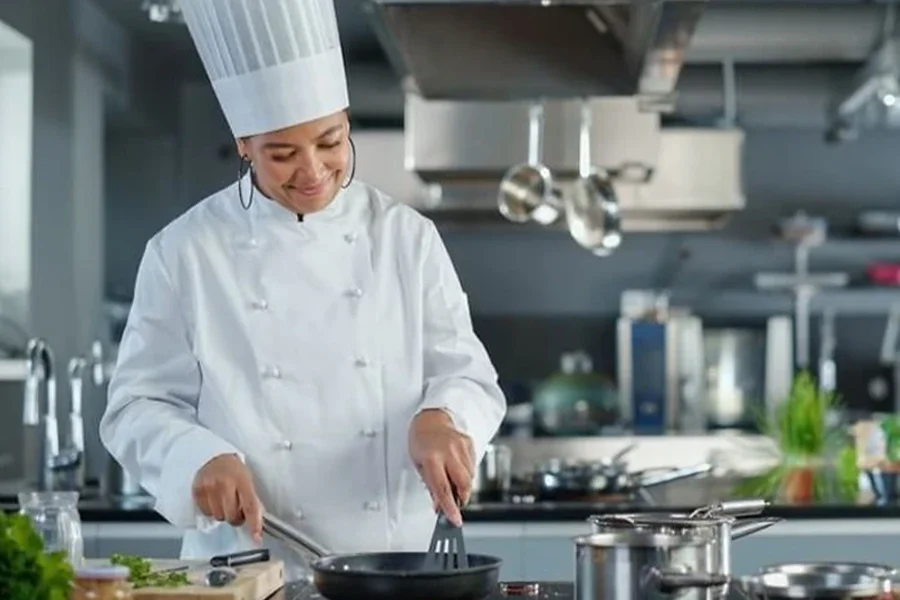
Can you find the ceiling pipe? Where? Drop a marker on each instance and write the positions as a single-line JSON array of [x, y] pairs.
[[791, 96], [769, 33]]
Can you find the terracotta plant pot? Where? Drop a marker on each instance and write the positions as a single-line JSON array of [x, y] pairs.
[[798, 485]]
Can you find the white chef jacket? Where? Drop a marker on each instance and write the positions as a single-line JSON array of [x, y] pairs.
[[307, 348]]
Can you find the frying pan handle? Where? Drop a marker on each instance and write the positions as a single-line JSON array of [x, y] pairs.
[[284, 532]]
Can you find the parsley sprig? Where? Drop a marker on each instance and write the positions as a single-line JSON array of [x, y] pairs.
[[143, 575], [26, 571]]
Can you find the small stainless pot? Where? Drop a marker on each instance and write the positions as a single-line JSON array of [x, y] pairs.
[[721, 524], [631, 564]]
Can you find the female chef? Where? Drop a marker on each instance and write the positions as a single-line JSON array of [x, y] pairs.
[[298, 343]]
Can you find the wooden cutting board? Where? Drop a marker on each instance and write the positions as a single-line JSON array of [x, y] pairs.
[[254, 582]]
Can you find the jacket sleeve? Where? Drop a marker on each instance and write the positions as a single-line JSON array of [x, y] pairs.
[[459, 377], [150, 424]]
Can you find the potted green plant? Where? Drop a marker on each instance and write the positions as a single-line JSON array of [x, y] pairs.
[[817, 462]]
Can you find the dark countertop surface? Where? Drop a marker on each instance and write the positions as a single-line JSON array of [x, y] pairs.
[[674, 497], [99, 509]]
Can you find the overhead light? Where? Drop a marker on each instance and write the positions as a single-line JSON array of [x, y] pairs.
[[163, 11]]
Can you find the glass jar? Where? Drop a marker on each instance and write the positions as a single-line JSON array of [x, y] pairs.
[[102, 583], [55, 517]]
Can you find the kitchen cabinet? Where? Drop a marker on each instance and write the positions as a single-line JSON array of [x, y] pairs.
[[503, 540], [550, 553], [546, 551], [549, 550], [156, 540], [862, 540]]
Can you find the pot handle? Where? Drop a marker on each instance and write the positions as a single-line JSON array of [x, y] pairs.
[[733, 508], [669, 582], [646, 481], [745, 527]]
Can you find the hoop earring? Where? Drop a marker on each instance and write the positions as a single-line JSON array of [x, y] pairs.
[[353, 168], [242, 171]]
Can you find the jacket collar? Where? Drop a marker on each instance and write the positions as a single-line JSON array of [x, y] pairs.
[[344, 214]]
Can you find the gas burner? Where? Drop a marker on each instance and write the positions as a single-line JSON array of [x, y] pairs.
[[520, 588], [537, 590]]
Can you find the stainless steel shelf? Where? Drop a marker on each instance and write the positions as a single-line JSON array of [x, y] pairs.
[[850, 302]]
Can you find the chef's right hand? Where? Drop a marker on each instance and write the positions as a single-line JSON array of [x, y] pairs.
[[223, 489]]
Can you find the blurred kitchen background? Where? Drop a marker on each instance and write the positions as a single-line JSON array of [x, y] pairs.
[[754, 155]]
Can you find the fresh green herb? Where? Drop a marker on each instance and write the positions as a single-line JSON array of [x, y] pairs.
[[143, 575], [26, 571], [814, 456], [800, 422]]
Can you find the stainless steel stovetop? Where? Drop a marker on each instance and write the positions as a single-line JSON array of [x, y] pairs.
[[532, 590]]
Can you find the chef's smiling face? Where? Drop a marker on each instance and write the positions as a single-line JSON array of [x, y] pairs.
[[301, 167]]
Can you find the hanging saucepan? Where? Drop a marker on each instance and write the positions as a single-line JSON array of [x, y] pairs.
[[526, 191], [592, 209], [387, 575]]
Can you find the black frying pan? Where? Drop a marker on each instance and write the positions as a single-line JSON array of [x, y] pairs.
[[395, 575], [388, 575]]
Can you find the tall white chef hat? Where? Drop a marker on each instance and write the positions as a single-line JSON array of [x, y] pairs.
[[272, 63]]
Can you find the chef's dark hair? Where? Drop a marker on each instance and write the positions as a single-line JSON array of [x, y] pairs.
[[244, 165]]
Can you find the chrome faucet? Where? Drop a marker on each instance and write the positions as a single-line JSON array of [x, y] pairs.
[[98, 363], [41, 431], [76, 451]]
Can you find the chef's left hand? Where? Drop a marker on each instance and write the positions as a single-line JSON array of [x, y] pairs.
[[445, 459]]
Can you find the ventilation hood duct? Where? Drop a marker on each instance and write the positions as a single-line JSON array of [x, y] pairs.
[[665, 179], [524, 49]]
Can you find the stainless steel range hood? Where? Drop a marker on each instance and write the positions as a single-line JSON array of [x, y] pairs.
[[696, 186], [665, 178], [524, 49]]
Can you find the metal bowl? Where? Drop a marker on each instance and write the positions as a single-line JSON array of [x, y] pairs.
[[827, 580]]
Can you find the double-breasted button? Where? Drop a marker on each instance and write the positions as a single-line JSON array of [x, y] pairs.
[[253, 242], [261, 304], [369, 433], [361, 362], [271, 371], [349, 237], [287, 444], [355, 293], [372, 505]]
